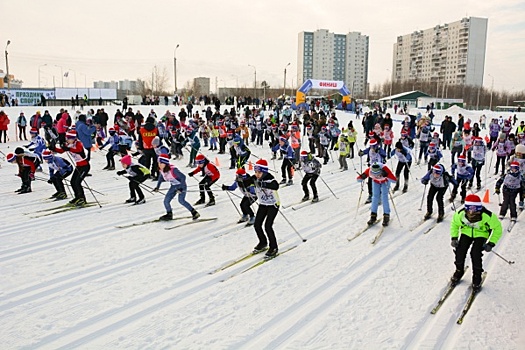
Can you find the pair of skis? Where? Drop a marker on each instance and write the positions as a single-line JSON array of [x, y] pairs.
[[468, 303], [168, 228], [377, 236], [252, 266]]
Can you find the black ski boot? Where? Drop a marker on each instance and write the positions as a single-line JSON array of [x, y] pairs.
[[271, 253], [456, 277], [396, 187], [168, 216], [305, 198], [427, 215], [261, 247], [440, 218], [405, 188], [386, 219], [373, 219], [368, 200], [476, 282], [195, 215], [315, 199], [200, 201], [131, 200], [211, 202]]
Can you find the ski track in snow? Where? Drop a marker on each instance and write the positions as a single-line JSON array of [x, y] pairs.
[[74, 283]]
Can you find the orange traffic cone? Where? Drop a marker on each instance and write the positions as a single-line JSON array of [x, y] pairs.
[[486, 197], [217, 161], [250, 166]]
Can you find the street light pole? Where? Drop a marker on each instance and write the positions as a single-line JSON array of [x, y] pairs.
[[43, 65], [491, 91], [284, 90], [254, 82], [175, 67], [61, 73], [7, 66]]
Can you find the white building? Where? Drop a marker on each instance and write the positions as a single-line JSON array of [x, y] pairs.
[[128, 85], [452, 53], [105, 84], [330, 56]]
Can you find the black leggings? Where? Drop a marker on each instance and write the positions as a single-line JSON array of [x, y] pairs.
[[269, 213], [76, 180], [312, 178]]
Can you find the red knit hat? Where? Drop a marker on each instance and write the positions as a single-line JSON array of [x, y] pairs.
[[72, 134], [473, 202], [261, 165], [126, 160]]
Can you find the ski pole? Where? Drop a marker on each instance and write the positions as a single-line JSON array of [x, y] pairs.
[[289, 223], [423, 198], [502, 258], [328, 187], [359, 201], [395, 209], [148, 189], [234, 205], [450, 192], [499, 199], [83, 178]]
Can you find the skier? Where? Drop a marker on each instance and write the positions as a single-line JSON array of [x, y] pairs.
[[478, 152], [464, 173], [439, 180], [266, 188], [513, 185], [211, 176], [375, 154], [500, 146], [77, 153], [312, 170], [381, 177], [59, 169], [37, 144], [177, 181], [113, 141], [136, 175], [242, 152], [287, 154], [404, 158], [343, 145], [434, 155], [477, 226], [26, 168], [246, 184]]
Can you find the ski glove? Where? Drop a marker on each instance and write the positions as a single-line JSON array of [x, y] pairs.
[[224, 187], [190, 174], [49, 181], [156, 189], [424, 182], [488, 246], [497, 191], [360, 153], [122, 172], [454, 243]]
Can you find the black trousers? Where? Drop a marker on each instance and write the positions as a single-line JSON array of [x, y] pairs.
[[509, 202], [134, 187], [151, 161], [246, 208], [437, 192], [286, 167], [109, 158], [268, 213], [476, 254], [58, 182], [312, 178], [477, 171], [204, 186], [76, 180], [463, 184]]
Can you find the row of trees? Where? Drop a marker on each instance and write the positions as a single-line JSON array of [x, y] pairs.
[[473, 96]]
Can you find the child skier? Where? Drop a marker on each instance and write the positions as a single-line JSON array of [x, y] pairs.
[[266, 188], [246, 185], [211, 176], [375, 154], [404, 158], [26, 168], [288, 156], [381, 177], [464, 173], [343, 145], [177, 181], [136, 175], [113, 141], [312, 170], [478, 152], [434, 155], [59, 169], [477, 226], [37, 144], [77, 153], [501, 153], [242, 152], [439, 180], [513, 185]]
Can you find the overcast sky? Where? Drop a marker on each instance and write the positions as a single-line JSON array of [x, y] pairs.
[[124, 39]]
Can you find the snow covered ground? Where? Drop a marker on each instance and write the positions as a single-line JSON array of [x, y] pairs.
[[75, 280]]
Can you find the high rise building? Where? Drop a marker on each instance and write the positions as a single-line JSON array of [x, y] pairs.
[[105, 84], [452, 53], [330, 56], [128, 85], [201, 86]]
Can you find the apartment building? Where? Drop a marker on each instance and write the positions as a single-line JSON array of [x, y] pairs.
[[330, 56], [452, 53]]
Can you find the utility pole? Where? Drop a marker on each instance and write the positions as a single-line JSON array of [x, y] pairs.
[[284, 90], [175, 67], [491, 91], [7, 66], [254, 82]]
